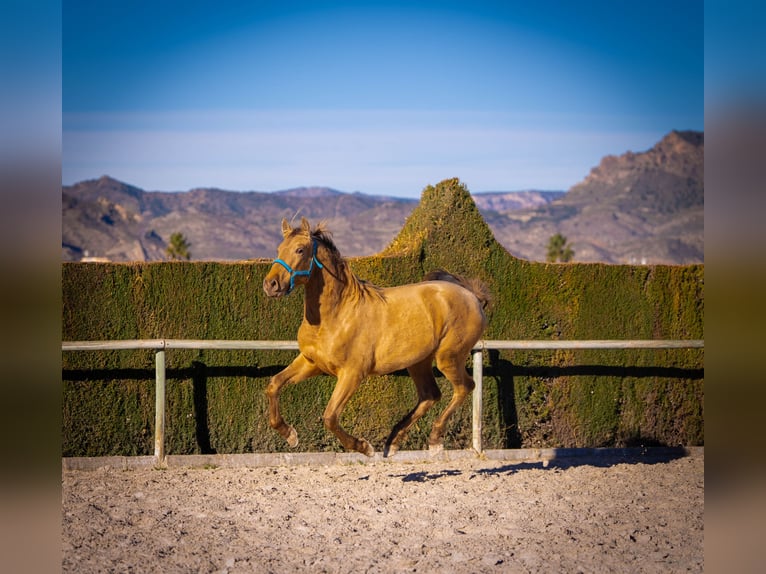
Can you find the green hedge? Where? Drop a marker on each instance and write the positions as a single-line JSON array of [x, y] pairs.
[[216, 401]]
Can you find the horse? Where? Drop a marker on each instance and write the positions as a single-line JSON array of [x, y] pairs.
[[352, 329]]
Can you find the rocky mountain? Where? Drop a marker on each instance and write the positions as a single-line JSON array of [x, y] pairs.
[[643, 207], [108, 219], [105, 218], [505, 201], [633, 208]]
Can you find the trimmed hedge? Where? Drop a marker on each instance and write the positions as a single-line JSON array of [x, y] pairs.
[[216, 403]]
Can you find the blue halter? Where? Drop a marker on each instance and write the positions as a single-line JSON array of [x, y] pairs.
[[294, 274]]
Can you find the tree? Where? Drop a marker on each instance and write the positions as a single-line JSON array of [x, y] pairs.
[[558, 250], [178, 247]]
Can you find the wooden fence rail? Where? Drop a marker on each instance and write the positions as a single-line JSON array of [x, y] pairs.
[[160, 345]]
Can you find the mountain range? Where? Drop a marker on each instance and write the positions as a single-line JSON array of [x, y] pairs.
[[642, 207], [634, 208]]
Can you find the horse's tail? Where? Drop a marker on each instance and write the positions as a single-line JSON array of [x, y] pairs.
[[476, 286]]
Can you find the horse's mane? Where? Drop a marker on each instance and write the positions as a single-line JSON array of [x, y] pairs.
[[360, 287], [324, 236]]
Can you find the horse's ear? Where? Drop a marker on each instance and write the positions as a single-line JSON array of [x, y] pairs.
[[286, 229], [305, 225]]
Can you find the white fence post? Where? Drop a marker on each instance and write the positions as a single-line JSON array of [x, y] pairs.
[[159, 408], [478, 398]]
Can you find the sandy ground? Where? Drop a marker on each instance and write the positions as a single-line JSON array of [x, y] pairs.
[[468, 515]]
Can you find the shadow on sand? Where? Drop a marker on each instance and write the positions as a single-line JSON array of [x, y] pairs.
[[563, 459]]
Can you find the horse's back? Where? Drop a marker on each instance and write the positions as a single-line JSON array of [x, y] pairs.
[[411, 323], [400, 327], [442, 306]]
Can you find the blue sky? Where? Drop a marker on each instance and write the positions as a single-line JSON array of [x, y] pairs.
[[378, 97]]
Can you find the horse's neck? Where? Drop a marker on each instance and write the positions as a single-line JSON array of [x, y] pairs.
[[326, 292]]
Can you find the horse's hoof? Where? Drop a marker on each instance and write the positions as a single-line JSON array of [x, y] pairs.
[[292, 437], [435, 449], [366, 448], [391, 450]]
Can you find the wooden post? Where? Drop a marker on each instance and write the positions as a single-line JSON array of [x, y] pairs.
[[478, 361], [159, 409]]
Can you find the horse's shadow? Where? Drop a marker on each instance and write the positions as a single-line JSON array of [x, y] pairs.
[[425, 475], [660, 455]]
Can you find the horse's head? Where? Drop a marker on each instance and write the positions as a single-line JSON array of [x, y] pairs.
[[296, 259]]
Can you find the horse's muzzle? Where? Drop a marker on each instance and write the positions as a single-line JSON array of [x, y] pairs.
[[272, 286]]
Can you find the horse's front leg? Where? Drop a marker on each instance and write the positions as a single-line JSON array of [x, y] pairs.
[[300, 369], [347, 384]]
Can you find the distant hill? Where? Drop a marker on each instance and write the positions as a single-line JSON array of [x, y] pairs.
[[505, 201], [106, 218], [643, 207], [111, 219], [637, 207]]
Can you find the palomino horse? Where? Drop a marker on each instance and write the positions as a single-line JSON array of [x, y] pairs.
[[352, 329]]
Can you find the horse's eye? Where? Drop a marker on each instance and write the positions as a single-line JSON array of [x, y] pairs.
[[299, 251]]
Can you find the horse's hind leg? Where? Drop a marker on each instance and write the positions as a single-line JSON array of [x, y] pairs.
[[344, 388], [295, 372], [428, 394], [462, 384]]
